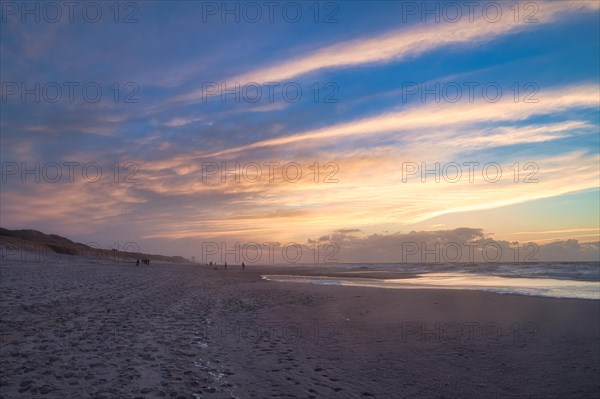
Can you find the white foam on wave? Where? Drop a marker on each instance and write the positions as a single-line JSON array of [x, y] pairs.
[[545, 287]]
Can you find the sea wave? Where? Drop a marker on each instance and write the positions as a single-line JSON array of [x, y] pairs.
[[544, 287]]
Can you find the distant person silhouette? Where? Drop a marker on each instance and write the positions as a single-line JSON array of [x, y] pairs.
[[225, 265], [137, 262], [243, 266]]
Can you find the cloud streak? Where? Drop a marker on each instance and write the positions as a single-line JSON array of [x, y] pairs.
[[436, 115], [402, 44]]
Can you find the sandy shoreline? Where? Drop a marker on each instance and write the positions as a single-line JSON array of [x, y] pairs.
[[108, 330]]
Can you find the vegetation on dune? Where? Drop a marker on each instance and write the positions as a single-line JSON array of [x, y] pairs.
[[36, 241]]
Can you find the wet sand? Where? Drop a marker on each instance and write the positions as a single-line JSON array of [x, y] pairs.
[[113, 330]]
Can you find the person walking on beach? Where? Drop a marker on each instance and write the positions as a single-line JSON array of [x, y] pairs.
[[225, 265], [243, 266], [137, 262]]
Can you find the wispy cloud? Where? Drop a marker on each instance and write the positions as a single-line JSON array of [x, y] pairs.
[[368, 134], [402, 44], [430, 116]]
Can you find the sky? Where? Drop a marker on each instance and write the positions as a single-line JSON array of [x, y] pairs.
[[353, 131]]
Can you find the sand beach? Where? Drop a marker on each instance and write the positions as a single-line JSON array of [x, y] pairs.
[[109, 329]]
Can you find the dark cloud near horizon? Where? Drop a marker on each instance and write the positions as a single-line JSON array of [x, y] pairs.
[[463, 244]]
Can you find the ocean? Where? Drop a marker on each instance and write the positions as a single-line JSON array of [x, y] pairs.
[[579, 280]]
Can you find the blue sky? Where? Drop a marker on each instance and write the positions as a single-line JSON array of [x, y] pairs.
[[362, 68]]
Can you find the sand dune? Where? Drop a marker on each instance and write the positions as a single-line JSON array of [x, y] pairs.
[[42, 246]]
